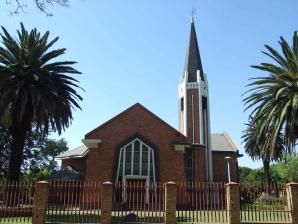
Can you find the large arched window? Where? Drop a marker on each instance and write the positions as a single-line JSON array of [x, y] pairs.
[[136, 161]]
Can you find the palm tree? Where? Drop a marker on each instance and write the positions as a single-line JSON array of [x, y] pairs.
[[274, 99], [34, 89], [255, 146]]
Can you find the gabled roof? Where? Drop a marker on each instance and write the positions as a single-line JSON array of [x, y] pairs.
[[219, 143], [82, 150], [78, 152], [193, 59], [222, 143], [144, 109]]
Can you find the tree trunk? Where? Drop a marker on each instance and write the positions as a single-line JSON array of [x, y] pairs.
[[266, 170], [18, 134], [296, 131]]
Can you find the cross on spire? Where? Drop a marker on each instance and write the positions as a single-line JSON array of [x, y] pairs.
[[193, 59], [193, 12]]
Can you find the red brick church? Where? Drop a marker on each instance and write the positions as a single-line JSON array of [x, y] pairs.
[[137, 145]]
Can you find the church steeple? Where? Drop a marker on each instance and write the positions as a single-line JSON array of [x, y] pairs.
[[194, 117], [193, 59]]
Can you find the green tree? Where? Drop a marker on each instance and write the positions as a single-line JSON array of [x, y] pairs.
[[243, 173], [34, 90], [286, 170], [274, 100], [255, 146], [39, 162], [38, 156], [255, 176], [283, 171]]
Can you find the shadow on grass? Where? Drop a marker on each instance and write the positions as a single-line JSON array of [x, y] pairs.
[[72, 218]]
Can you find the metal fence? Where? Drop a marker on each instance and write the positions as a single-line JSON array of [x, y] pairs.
[[266, 203], [138, 202], [201, 203], [16, 202], [74, 202]]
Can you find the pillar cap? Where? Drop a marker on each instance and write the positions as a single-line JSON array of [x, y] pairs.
[[232, 184], [42, 182], [292, 184], [107, 183], [171, 183]]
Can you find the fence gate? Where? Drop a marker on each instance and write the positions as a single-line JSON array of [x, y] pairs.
[[138, 202], [201, 203], [74, 202]]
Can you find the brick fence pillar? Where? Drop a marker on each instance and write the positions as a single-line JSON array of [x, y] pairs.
[[40, 202], [170, 202], [233, 203], [106, 202], [292, 200]]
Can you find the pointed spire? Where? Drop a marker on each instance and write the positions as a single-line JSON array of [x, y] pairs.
[[193, 58]]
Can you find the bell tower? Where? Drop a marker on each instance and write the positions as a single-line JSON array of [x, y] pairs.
[[194, 118]]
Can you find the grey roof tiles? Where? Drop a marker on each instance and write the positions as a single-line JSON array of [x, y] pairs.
[[193, 61]]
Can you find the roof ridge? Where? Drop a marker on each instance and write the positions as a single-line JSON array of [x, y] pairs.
[[230, 141], [130, 108], [113, 118]]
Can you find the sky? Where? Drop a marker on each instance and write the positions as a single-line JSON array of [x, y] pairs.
[[134, 51]]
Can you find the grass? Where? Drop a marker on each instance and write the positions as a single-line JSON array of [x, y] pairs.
[[16, 220], [198, 217], [262, 206], [265, 216], [201, 217], [138, 216], [54, 217]]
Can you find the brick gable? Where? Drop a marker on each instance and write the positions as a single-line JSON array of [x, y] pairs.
[[136, 120], [134, 109]]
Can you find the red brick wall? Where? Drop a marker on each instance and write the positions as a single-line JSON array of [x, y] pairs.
[[195, 93], [136, 120], [100, 162], [220, 173], [200, 165], [170, 203]]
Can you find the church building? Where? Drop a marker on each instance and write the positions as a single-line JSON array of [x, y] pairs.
[[137, 145]]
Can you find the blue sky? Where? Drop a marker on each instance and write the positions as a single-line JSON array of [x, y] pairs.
[[134, 50]]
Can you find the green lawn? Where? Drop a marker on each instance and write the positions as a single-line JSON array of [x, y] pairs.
[[221, 217], [265, 216], [198, 217], [16, 220], [201, 217], [73, 216]]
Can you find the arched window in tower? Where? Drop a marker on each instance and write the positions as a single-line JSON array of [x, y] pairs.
[[136, 162], [182, 104]]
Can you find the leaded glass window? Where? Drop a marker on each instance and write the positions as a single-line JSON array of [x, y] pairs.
[[136, 161]]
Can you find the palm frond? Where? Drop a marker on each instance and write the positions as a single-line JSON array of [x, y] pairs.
[[32, 86], [273, 101]]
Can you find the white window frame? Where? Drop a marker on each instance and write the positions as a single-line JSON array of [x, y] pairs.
[[122, 157]]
